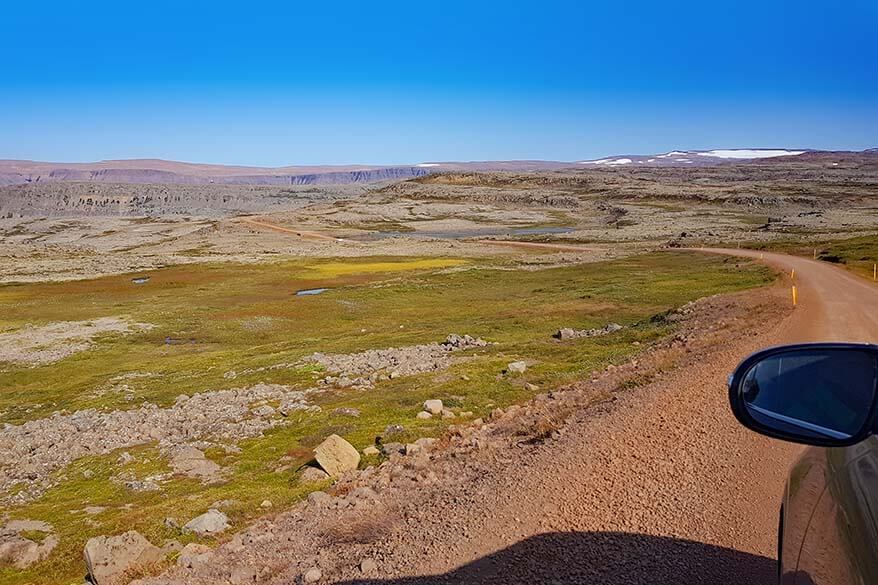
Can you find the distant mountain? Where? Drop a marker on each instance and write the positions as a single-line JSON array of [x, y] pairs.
[[156, 171]]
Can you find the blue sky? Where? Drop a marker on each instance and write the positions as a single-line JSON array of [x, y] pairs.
[[396, 82]]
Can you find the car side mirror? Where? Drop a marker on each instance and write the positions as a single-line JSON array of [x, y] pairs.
[[820, 394]]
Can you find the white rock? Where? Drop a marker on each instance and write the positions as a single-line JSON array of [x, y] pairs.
[[371, 450], [313, 575], [433, 406], [424, 415], [516, 367]]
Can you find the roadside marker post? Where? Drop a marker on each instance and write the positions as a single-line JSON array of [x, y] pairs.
[[875, 271], [793, 274], [815, 253], [795, 296]]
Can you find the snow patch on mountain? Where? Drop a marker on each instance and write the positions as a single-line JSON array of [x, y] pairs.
[[746, 153], [608, 161]]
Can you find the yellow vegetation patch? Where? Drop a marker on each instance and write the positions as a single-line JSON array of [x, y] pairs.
[[335, 269]]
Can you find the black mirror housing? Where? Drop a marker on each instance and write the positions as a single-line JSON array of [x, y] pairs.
[[821, 394]]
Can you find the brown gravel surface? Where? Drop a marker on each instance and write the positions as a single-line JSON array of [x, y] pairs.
[[640, 475]]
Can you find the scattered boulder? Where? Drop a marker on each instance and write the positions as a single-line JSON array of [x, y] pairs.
[[346, 411], [191, 462], [569, 333], [565, 333], [433, 406], [336, 456], [463, 342], [211, 522], [311, 474], [424, 415], [142, 486], [371, 451], [368, 566], [389, 449], [516, 367], [266, 504], [313, 575], [108, 558], [447, 413], [394, 429]]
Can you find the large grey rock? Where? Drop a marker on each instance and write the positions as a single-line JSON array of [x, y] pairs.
[[211, 522], [108, 558], [336, 456]]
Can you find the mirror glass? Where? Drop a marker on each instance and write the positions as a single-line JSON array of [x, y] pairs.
[[823, 393]]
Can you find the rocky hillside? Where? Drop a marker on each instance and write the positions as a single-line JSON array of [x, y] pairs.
[[23, 172], [54, 199]]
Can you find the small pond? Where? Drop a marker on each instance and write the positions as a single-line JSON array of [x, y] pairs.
[[310, 291], [140, 280]]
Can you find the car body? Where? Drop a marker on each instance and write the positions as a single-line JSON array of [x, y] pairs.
[[828, 526]]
